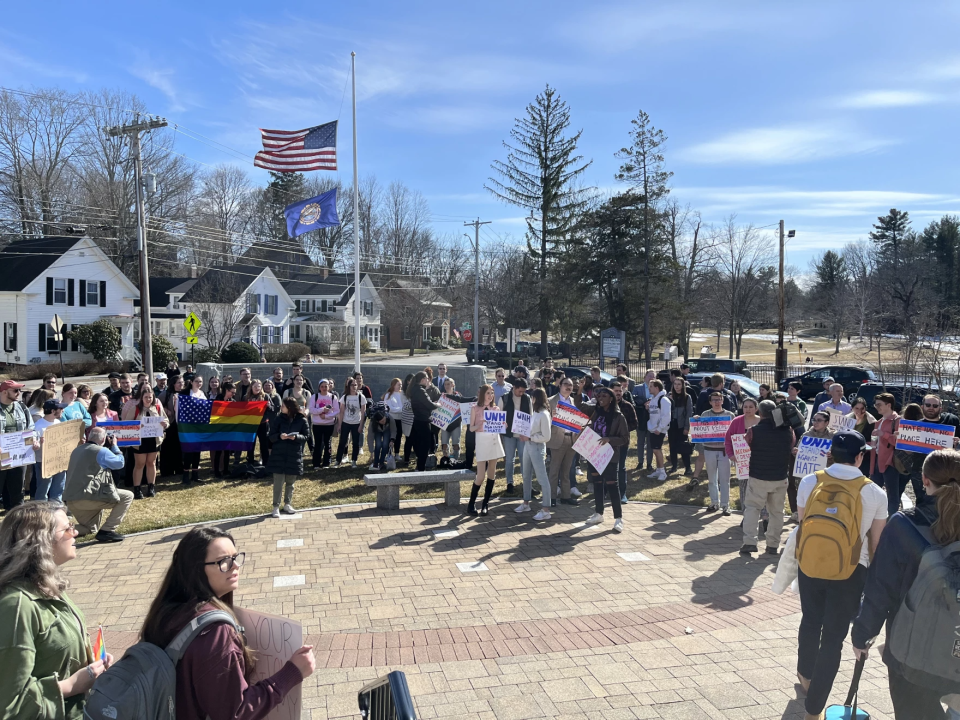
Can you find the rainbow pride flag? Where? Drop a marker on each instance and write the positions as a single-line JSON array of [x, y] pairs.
[[99, 646], [217, 424]]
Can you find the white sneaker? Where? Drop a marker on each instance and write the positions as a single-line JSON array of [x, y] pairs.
[[654, 474], [594, 519], [618, 525], [542, 515], [276, 511], [522, 508], [575, 492], [288, 509]]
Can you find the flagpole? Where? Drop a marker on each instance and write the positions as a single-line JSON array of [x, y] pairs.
[[357, 307]]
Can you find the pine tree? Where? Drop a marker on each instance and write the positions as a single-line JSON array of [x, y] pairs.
[[643, 168], [941, 241], [539, 176], [889, 234]]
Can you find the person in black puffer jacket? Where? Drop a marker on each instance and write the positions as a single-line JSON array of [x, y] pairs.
[[935, 519], [288, 435], [423, 408], [771, 453]]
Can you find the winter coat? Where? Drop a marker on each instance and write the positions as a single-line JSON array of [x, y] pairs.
[[771, 450], [286, 456], [421, 403], [681, 412]]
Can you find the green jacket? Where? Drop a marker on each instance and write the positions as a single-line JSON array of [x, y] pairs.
[[42, 641]]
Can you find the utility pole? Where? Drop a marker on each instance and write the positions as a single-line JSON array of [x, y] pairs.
[[780, 371], [133, 130], [476, 285]]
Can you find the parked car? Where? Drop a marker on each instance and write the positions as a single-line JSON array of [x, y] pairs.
[[575, 372], [850, 377], [913, 394], [750, 387], [715, 365], [487, 353]]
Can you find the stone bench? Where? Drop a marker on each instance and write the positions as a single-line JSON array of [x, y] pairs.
[[388, 485]]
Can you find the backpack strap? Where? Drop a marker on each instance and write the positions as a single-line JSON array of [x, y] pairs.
[[178, 646]]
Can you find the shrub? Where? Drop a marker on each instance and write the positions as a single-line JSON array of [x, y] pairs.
[[319, 347], [240, 352], [285, 353], [205, 355], [435, 343], [163, 351], [365, 346], [99, 338]]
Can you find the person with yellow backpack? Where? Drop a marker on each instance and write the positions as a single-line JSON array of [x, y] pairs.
[[838, 508]]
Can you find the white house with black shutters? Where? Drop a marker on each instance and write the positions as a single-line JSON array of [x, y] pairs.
[[66, 276]]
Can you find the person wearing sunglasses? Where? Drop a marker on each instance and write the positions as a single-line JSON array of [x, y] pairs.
[[213, 677], [14, 417]]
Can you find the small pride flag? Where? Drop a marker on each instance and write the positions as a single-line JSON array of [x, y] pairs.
[[217, 424], [99, 646]]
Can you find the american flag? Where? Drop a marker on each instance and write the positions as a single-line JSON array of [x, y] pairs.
[[193, 411], [298, 150]]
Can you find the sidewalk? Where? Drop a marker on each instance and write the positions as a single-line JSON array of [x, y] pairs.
[[501, 617]]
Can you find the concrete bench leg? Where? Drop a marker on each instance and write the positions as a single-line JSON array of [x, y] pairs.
[[388, 497], [451, 494]]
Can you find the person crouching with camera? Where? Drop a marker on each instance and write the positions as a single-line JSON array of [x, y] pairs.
[[90, 488]]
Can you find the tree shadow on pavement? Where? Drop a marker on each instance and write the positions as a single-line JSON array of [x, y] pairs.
[[737, 576], [673, 520]]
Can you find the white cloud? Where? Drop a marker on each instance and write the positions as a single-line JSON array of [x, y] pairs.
[[780, 145], [11, 57], [889, 98], [162, 80]]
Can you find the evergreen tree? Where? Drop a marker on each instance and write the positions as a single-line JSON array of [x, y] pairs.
[[941, 241], [539, 175], [889, 233], [643, 168], [831, 291]]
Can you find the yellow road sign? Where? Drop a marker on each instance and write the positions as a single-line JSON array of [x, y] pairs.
[[192, 340], [192, 324]]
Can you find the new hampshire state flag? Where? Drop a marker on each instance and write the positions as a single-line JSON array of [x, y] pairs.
[[312, 214]]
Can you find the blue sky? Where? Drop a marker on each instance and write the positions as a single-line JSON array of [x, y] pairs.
[[827, 114]]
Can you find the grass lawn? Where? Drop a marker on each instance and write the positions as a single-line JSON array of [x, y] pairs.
[[223, 499]]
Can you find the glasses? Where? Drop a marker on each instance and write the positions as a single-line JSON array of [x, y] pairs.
[[713, 400], [71, 529], [227, 563], [931, 405], [15, 391], [819, 420]]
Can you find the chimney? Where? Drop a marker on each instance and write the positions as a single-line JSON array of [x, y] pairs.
[[324, 272], [193, 271]]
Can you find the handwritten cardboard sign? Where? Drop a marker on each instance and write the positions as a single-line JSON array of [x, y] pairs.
[[839, 421], [741, 452], [494, 421], [16, 449], [151, 427], [59, 442], [567, 417], [521, 423], [274, 639], [466, 410], [125, 432], [448, 411], [811, 455], [589, 447], [709, 429], [924, 437]]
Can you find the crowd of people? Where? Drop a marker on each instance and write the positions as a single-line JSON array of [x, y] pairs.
[[875, 572]]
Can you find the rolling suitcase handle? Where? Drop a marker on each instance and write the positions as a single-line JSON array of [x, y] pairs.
[[839, 712]]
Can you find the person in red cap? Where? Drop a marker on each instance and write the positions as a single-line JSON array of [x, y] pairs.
[[14, 417]]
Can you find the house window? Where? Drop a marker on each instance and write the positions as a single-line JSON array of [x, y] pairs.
[[52, 345], [426, 332], [367, 308], [271, 301], [93, 293], [59, 291], [175, 302], [157, 327], [175, 326], [295, 332], [253, 303], [9, 337], [406, 332]]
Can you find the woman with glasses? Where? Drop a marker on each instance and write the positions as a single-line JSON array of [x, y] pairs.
[[818, 429], [84, 394], [883, 465], [46, 666], [212, 677]]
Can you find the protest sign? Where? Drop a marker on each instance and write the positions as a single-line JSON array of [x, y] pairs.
[[811, 455], [741, 451], [494, 421], [448, 411], [16, 449], [839, 421], [521, 423], [924, 437], [589, 447], [151, 427], [567, 417], [125, 432], [59, 441], [709, 429], [274, 640]]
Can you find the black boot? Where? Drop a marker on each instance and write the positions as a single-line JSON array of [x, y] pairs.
[[185, 480], [137, 493], [472, 505], [195, 476], [487, 492]]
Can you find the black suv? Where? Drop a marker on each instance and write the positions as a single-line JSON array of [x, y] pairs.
[[487, 353], [850, 377], [718, 365]]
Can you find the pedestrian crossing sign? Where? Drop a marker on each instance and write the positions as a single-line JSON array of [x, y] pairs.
[[192, 324]]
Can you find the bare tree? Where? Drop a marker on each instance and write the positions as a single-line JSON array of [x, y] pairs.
[[332, 246], [410, 306], [692, 253]]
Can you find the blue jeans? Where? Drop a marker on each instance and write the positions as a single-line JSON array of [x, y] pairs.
[[381, 444], [51, 488], [512, 447], [894, 483]]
